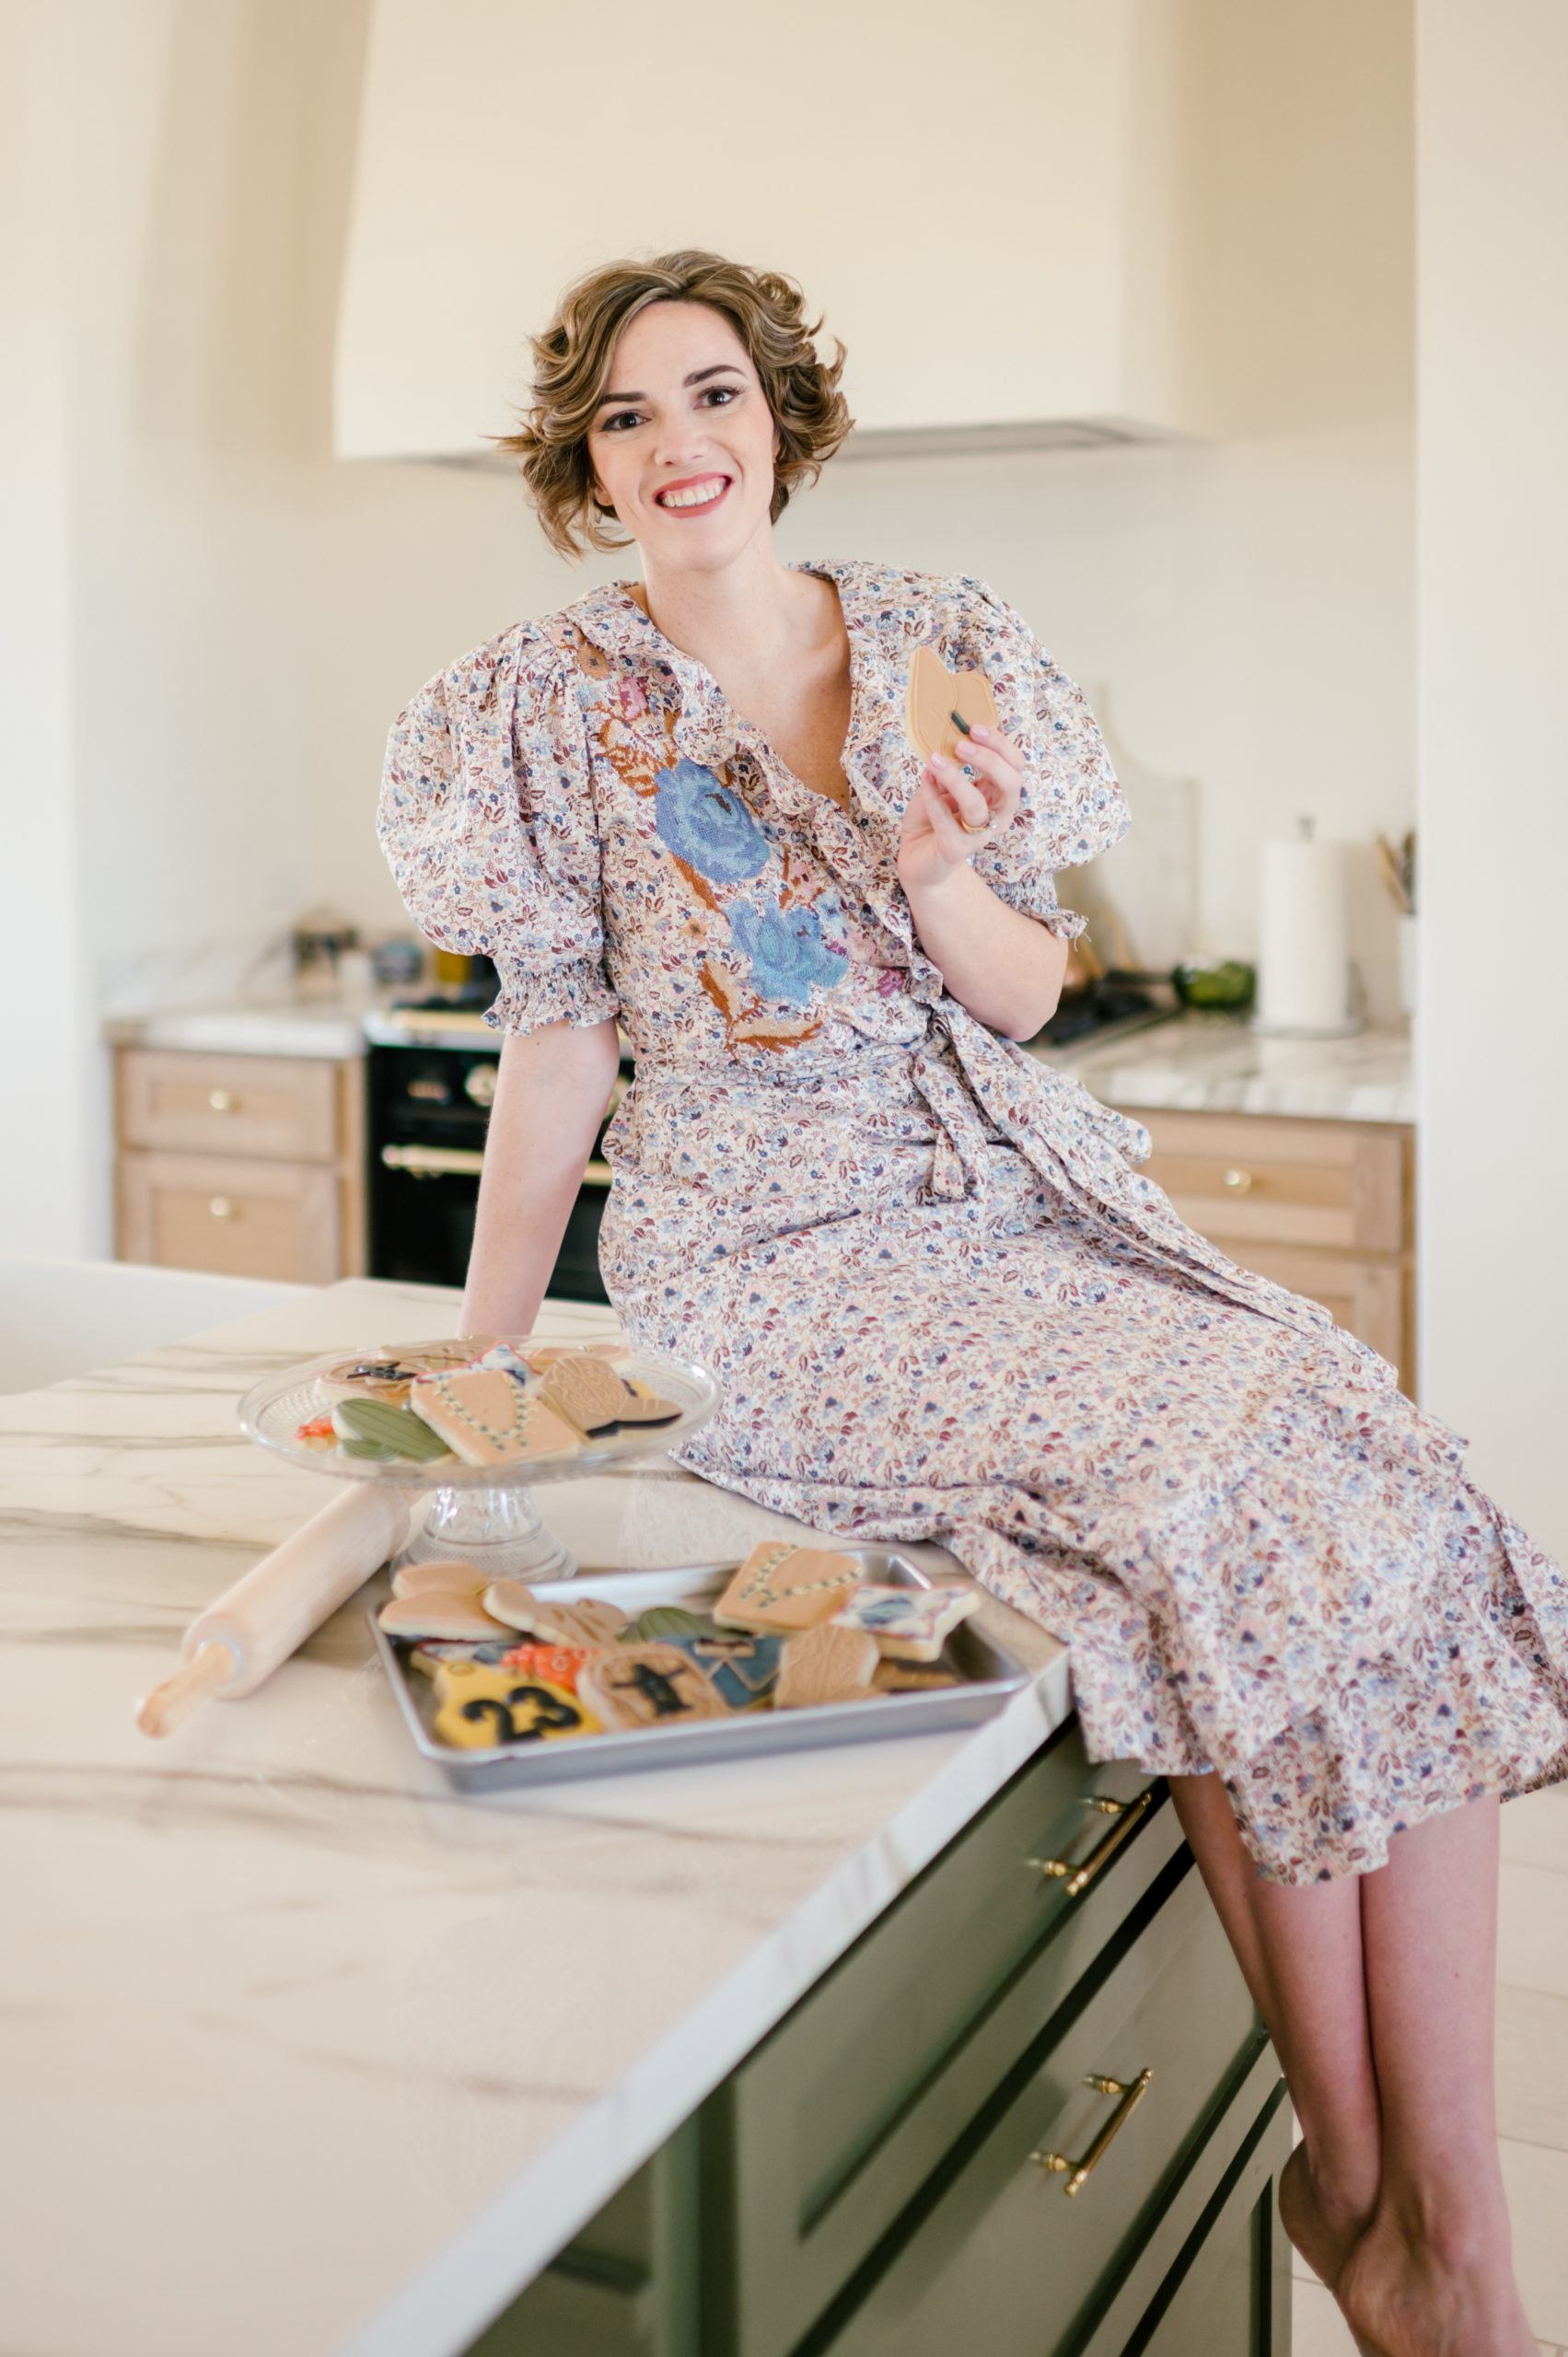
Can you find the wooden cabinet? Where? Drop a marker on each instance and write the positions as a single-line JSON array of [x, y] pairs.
[[246, 1166], [1324, 1208], [1030, 2110]]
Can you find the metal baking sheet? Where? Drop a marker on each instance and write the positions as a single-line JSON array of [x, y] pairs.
[[988, 1678]]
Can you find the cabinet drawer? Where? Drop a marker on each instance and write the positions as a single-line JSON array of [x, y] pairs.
[[1245, 1179], [236, 1219], [831, 2128], [999, 2256], [282, 1107], [1369, 1298], [1228, 2294], [1212, 2277]]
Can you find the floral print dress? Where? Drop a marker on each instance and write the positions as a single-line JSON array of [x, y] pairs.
[[943, 1302]]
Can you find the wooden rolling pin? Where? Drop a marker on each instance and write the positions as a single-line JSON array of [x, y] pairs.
[[258, 1623]]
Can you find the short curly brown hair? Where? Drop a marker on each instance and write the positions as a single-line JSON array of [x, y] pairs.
[[571, 362]]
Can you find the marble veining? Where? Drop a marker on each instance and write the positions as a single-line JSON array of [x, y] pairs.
[[1198, 1063], [303, 2052]]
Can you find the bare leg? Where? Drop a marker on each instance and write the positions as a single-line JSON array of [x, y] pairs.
[[1378, 1991], [1301, 1952], [1432, 2276]]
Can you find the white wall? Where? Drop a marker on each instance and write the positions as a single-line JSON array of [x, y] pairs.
[[51, 1057], [212, 621], [1493, 782]]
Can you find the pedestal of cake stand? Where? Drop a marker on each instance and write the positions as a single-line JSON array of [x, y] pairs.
[[499, 1531]]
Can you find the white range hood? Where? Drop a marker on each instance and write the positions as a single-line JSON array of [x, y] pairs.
[[983, 203]]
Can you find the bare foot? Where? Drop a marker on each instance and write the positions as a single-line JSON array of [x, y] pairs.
[[1324, 2241], [1406, 2299]]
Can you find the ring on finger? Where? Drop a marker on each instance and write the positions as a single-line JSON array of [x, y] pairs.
[[975, 826]]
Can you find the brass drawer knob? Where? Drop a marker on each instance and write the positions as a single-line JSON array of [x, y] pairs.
[[220, 1101], [222, 1207], [1078, 2172], [1239, 1182], [1125, 1815]]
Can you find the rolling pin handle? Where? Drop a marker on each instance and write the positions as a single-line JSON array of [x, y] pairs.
[[209, 1669]]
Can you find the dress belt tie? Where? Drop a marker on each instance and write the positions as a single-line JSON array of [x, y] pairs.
[[956, 1105]]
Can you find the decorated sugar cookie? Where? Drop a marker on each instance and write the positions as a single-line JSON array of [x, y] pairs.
[[910, 1623], [388, 1374], [594, 1399], [934, 695], [910, 1677], [831, 1664], [373, 1428], [586, 1622], [453, 1614], [413, 1579], [478, 1706], [486, 1418], [550, 1665], [783, 1586], [740, 1668], [647, 1686]]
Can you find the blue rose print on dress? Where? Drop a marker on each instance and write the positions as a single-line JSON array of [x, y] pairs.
[[789, 957], [705, 823]]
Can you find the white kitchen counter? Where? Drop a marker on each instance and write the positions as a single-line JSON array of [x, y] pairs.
[[287, 1027], [302, 2051], [1207, 1063]]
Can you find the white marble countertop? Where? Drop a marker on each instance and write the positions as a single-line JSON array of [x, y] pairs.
[[285, 1027], [1206, 1063], [302, 2051]]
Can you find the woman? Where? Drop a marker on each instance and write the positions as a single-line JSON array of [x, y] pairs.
[[942, 1302]]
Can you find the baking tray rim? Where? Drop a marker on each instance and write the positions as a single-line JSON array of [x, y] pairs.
[[745, 1735]]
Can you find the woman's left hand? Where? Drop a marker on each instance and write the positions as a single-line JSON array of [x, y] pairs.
[[956, 809]]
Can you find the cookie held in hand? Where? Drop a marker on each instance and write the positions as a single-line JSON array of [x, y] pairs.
[[935, 694]]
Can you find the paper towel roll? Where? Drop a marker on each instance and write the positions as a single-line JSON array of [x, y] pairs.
[[1303, 968]]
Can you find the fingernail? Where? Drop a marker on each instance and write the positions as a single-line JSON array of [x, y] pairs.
[[979, 732]]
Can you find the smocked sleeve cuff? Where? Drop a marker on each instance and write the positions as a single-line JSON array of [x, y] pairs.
[[576, 992], [1033, 895]]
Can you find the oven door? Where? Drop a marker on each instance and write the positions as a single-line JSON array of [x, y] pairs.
[[429, 1112]]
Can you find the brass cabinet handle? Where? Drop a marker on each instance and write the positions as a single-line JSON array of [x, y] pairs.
[[1239, 1182], [220, 1101], [434, 1161], [1128, 1814], [222, 1208], [598, 1174], [1078, 2172]]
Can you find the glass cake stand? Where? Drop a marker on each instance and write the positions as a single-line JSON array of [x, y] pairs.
[[485, 1514]]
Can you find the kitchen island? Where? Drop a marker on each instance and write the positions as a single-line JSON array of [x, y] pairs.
[[305, 2052]]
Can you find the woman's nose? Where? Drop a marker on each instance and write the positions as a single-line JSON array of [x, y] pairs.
[[681, 442]]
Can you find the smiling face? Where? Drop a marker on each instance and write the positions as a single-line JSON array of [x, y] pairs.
[[683, 442]]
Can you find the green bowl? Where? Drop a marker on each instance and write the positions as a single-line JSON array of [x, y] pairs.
[[1227, 988]]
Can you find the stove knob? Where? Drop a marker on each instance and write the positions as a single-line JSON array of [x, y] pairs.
[[479, 1084]]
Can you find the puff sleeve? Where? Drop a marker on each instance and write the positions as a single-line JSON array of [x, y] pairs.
[[1072, 808], [487, 821]]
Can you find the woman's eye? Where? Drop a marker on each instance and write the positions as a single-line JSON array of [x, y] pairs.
[[721, 394], [621, 419]]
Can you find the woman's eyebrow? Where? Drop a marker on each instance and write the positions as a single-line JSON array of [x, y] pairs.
[[698, 377]]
